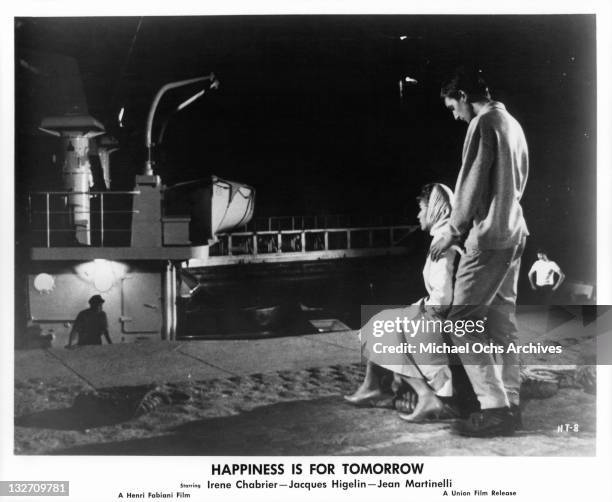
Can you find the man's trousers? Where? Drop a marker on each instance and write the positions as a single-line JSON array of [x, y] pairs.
[[486, 288]]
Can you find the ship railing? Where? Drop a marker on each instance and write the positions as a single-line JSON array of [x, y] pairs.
[[311, 239], [314, 222], [54, 221]]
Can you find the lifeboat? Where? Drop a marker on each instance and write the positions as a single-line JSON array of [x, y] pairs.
[[214, 206]]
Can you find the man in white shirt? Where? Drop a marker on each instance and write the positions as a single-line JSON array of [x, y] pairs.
[[545, 277]]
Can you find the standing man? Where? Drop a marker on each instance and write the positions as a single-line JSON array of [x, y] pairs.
[[487, 213], [91, 324], [542, 277]]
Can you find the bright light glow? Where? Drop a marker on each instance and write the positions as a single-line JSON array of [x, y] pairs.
[[190, 100], [411, 80], [102, 274], [44, 283], [403, 37]]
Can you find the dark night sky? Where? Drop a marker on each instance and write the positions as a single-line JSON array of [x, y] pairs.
[[309, 110]]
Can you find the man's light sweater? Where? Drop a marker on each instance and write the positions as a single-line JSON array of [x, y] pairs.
[[491, 182]]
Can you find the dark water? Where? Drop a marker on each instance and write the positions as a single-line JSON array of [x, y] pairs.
[[279, 299], [265, 300]]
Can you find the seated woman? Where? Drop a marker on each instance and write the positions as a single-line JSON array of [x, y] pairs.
[[427, 374]]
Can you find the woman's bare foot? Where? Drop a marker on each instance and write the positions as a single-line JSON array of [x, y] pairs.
[[366, 397], [428, 407], [370, 392]]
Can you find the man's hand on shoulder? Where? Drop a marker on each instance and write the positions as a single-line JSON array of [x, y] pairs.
[[441, 245]]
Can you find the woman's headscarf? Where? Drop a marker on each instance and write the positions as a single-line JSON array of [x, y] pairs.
[[439, 205]]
